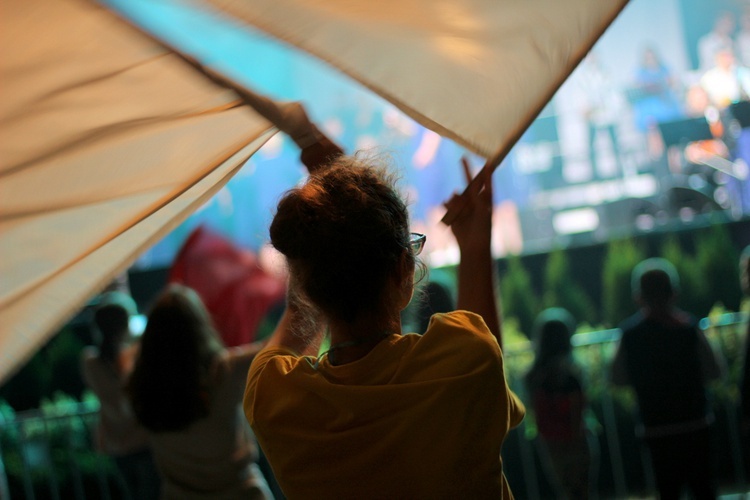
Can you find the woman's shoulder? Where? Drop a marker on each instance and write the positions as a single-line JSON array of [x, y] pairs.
[[282, 358], [89, 353], [90, 359], [456, 345], [459, 322], [464, 329], [222, 367]]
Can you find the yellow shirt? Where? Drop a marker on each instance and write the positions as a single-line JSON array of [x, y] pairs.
[[418, 417]]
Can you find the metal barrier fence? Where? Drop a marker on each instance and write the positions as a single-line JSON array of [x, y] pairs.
[[623, 468], [43, 456], [52, 457]]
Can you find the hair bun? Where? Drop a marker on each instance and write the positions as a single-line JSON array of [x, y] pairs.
[[292, 226]]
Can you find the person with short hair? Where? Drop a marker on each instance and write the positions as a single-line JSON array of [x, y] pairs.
[[667, 360], [105, 369]]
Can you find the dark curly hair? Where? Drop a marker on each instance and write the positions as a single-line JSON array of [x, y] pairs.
[[169, 386], [344, 233]]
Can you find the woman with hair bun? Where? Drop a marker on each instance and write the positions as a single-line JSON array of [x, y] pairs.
[[380, 414]]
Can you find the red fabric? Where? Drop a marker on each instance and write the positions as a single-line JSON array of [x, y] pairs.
[[559, 416], [236, 291]]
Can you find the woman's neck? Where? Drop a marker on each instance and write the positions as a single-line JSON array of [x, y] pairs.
[[353, 341]]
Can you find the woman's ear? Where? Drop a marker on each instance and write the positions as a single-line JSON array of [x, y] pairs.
[[405, 278]]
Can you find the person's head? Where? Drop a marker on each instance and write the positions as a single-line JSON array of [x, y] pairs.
[[655, 283], [697, 101], [169, 384], [111, 321], [724, 24], [437, 299], [552, 331], [650, 58], [724, 59], [745, 270], [345, 234]]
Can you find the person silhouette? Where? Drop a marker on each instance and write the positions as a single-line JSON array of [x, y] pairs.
[[602, 105], [555, 392], [437, 299], [105, 369], [186, 390], [716, 40], [727, 81], [380, 414], [667, 360]]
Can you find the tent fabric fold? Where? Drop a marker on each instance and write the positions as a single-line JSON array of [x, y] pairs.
[[475, 71], [107, 142]]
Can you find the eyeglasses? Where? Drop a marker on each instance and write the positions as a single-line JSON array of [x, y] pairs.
[[416, 242]]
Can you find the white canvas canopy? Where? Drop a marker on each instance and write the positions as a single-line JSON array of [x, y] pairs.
[[108, 139], [107, 142], [475, 71]]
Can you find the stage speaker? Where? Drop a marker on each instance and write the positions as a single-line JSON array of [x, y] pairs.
[[681, 132], [680, 198], [625, 213]]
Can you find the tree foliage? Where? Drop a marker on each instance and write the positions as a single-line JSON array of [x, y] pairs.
[[617, 298], [718, 260], [693, 295], [518, 297], [561, 289]]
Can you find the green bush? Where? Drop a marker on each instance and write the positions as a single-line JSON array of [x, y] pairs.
[[707, 276], [517, 295], [617, 299], [54, 368], [718, 260], [562, 290], [694, 294]]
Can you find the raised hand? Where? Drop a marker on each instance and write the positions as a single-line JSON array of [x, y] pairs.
[[473, 231], [473, 225]]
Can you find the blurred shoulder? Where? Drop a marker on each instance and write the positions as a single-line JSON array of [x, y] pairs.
[[90, 358], [631, 322], [89, 352], [685, 319]]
